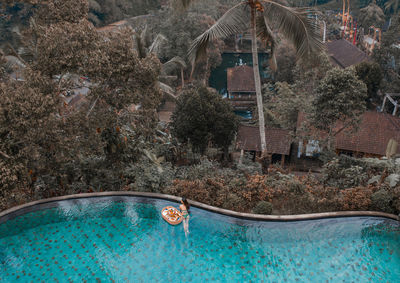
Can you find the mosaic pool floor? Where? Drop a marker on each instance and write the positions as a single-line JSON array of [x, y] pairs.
[[128, 241]]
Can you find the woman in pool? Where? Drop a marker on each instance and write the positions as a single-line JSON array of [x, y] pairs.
[[184, 207]]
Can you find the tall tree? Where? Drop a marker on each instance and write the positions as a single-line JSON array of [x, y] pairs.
[[339, 103], [202, 116], [372, 15], [388, 57], [371, 74], [261, 17], [41, 137]]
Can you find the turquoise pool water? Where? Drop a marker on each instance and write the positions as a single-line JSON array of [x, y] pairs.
[[125, 240]]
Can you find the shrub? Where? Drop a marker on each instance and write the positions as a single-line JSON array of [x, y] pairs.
[[206, 169], [263, 207], [343, 174], [234, 202], [145, 176], [382, 200], [295, 186], [356, 198]]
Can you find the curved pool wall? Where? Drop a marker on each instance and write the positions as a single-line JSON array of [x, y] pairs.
[[121, 236], [49, 202]]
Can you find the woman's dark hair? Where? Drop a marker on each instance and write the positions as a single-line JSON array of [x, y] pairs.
[[186, 203]]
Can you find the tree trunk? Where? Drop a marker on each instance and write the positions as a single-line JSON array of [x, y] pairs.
[[257, 81], [182, 78]]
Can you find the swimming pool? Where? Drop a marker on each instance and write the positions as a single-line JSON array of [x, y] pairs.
[[125, 239]]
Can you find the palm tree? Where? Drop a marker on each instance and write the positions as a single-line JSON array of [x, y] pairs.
[[392, 5], [263, 15], [144, 47]]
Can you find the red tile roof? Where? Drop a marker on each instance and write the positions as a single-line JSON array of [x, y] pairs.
[[372, 137], [278, 140], [241, 78], [344, 54], [375, 131]]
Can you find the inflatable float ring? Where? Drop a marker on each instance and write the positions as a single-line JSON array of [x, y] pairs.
[[172, 215]]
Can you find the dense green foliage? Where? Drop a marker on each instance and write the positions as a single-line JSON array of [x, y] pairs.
[[340, 99], [388, 57], [371, 75], [202, 116], [48, 145], [263, 207]]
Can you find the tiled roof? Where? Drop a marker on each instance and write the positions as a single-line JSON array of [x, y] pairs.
[[344, 54], [241, 78], [278, 140], [373, 135], [375, 131]]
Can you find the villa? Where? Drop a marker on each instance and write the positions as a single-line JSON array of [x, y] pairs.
[[278, 142], [241, 87], [370, 140]]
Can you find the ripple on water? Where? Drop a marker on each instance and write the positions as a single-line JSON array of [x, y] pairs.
[[127, 240]]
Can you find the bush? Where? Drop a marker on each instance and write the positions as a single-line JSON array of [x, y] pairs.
[[382, 200], [342, 174], [206, 169], [145, 176], [234, 202], [201, 116], [356, 198], [296, 187], [263, 207]]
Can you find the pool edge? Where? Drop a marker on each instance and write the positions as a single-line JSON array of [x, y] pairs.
[[250, 216]]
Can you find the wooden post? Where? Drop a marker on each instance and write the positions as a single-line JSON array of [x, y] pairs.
[[241, 157], [383, 103], [283, 160], [396, 106]]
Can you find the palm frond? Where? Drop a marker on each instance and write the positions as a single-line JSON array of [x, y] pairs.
[[266, 35], [155, 46], [144, 35], [232, 22], [173, 63], [168, 78], [138, 45], [392, 5], [13, 62], [166, 89], [296, 26]]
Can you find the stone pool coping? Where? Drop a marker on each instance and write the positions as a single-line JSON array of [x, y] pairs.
[[21, 209]]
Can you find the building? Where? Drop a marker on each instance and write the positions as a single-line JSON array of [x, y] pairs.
[[278, 141], [370, 140], [343, 54], [241, 87]]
